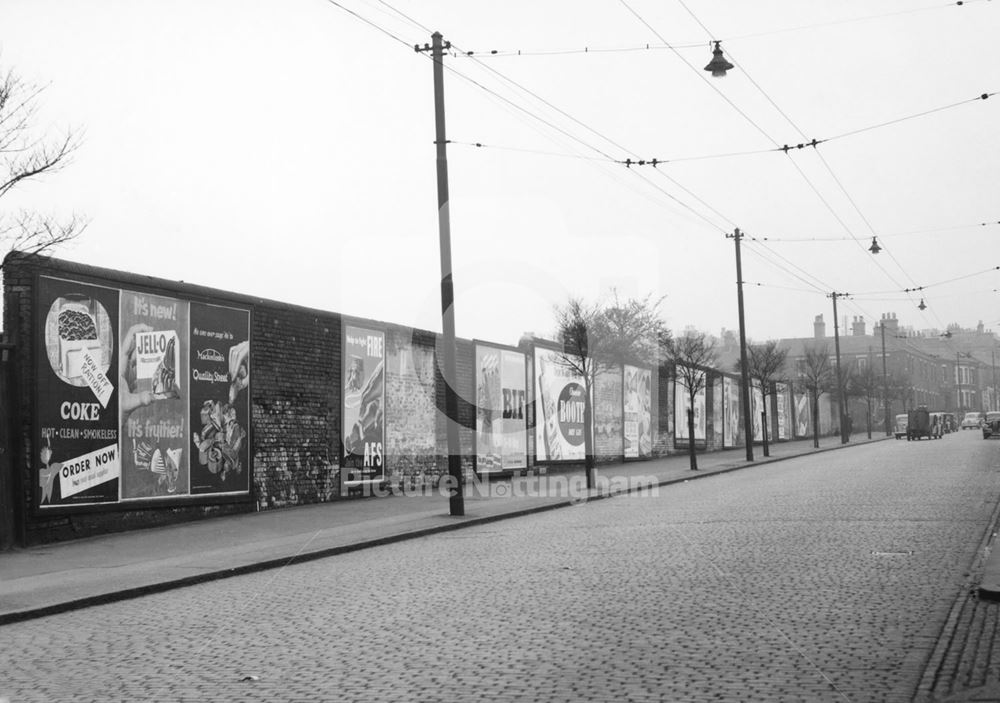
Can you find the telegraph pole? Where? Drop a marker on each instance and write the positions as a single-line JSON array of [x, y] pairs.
[[840, 379], [885, 385], [456, 499], [744, 372]]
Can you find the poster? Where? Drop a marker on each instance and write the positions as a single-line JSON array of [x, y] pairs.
[[784, 419], [501, 439], [756, 408], [515, 427], [153, 396], [803, 415], [77, 462], [219, 399], [363, 404], [682, 403], [638, 400], [733, 430], [560, 410]]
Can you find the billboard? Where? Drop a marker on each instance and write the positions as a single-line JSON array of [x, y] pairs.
[[784, 410], [682, 403], [363, 404], [756, 408], [637, 401], [560, 409], [732, 432], [120, 414], [803, 415], [501, 427]]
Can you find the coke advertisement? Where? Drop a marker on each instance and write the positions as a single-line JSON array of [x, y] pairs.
[[77, 461]]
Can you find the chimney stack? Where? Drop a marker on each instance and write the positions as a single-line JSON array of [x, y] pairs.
[[819, 327], [858, 327]]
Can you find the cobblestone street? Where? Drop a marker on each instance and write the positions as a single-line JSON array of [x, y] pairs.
[[841, 576]]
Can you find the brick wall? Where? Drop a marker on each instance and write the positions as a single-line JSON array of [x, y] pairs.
[[296, 407]]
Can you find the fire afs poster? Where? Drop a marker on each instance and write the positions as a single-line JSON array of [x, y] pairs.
[[559, 410], [364, 404], [501, 440]]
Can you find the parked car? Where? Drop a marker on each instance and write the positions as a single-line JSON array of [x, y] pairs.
[[900, 428], [991, 426], [972, 421]]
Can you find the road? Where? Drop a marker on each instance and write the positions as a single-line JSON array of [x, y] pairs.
[[836, 577]]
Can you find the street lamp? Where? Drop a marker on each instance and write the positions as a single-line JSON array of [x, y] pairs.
[[718, 65]]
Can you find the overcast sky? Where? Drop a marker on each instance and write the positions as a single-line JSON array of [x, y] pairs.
[[285, 150]]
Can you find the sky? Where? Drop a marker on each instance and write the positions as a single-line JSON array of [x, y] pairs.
[[285, 150]]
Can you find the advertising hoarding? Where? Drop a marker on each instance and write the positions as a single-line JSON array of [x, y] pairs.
[[784, 410], [501, 428], [363, 404], [117, 416], [803, 415], [637, 399], [682, 403], [559, 410]]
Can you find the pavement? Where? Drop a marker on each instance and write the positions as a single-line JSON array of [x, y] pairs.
[[55, 578]]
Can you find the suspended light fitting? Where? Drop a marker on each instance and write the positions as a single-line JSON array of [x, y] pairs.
[[718, 65], [874, 248], [922, 306]]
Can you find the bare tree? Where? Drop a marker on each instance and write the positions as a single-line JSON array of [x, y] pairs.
[[901, 389], [26, 156], [867, 385], [816, 374], [600, 336], [765, 362], [693, 354]]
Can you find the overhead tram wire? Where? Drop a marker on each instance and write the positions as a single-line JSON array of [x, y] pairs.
[[505, 53], [826, 165], [528, 112], [828, 168], [547, 122]]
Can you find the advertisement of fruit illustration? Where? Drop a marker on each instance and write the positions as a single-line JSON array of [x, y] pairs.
[[78, 461], [219, 404]]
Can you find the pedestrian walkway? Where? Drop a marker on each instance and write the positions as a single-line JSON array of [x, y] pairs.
[[55, 578]]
